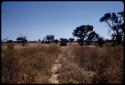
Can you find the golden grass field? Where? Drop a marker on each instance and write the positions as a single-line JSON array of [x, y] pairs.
[[51, 63]]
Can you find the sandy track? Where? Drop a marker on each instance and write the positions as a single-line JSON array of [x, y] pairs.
[[58, 65], [55, 68]]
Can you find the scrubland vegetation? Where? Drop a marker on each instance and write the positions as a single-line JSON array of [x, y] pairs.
[[80, 64], [89, 59], [28, 64], [93, 65]]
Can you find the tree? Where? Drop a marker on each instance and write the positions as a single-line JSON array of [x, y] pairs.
[[22, 39], [63, 41], [71, 39], [56, 41], [50, 38], [82, 32], [92, 37], [39, 40], [9, 41], [100, 41], [115, 21], [44, 40]]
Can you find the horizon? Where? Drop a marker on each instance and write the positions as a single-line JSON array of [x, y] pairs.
[[35, 20]]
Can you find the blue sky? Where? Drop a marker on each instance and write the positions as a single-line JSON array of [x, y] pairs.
[[37, 19]]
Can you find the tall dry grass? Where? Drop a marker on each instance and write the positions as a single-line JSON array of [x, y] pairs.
[[30, 64], [101, 65], [80, 64]]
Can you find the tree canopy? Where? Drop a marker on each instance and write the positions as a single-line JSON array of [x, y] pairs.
[[115, 21]]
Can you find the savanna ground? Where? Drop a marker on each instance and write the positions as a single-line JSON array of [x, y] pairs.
[[51, 63]]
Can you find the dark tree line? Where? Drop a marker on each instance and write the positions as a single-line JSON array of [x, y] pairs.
[[21, 39], [115, 21], [85, 33]]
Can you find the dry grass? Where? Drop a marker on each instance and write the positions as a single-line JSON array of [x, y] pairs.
[[29, 64], [106, 64], [32, 64]]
